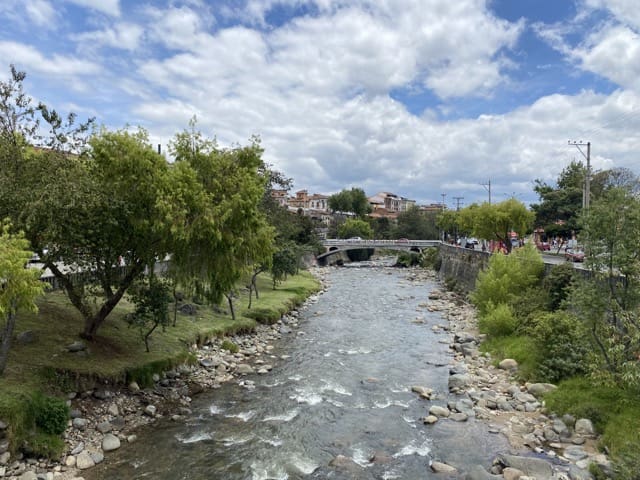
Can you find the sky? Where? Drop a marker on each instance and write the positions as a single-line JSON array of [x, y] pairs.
[[433, 100]]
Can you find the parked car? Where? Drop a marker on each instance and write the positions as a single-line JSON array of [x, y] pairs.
[[543, 246], [574, 255], [402, 240], [471, 243]]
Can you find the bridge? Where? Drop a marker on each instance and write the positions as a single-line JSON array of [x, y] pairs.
[[335, 245]]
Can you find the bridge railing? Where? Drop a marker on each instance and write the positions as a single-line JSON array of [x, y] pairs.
[[330, 242]]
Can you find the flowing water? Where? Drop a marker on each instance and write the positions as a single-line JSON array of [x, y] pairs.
[[344, 390]]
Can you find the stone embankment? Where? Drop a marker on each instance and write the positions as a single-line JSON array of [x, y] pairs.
[[105, 419], [544, 446]]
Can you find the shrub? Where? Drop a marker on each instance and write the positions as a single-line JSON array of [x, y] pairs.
[[50, 414], [230, 346], [498, 321], [431, 259], [558, 284], [527, 305], [506, 277], [408, 259], [563, 346]]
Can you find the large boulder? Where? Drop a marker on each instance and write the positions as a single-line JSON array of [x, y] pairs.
[[530, 466]]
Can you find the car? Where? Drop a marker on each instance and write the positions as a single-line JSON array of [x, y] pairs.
[[402, 240], [355, 239], [574, 255], [471, 243], [543, 246]]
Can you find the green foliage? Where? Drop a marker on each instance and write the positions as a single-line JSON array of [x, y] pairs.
[[506, 277], [562, 344], [520, 348], [498, 321], [151, 298], [354, 227], [19, 286], [416, 224], [285, 262], [49, 413], [431, 259], [495, 221], [528, 304], [265, 316], [350, 201], [230, 346], [558, 283], [41, 444], [408, 259]]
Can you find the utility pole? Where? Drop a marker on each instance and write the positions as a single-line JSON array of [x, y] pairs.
[[443, 204], [487, 187], [457, 199], [587, 180]]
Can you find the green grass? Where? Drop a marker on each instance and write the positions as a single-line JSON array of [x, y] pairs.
[[614, 413], [520, 348], [117, 355]]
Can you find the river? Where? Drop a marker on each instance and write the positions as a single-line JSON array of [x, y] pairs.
[[341, 386]]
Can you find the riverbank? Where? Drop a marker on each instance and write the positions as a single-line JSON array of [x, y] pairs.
[[106, 413], [544, 445]]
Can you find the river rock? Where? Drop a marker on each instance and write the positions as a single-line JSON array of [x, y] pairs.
[[244, 369], [508, 364], [479, 473], [29, 475], [78, 449], [458, 381], [84, 460], [134, 387], [345, 463], [530, 466], [76, 347], [424, 392], [4, 446], [150, 410], [430, 419], [110, 442], [575, 453], [511, 473], [439, 467], [80, 424], [104, 427], [584, 427], [539, 389], [4, 458], [439, 411]]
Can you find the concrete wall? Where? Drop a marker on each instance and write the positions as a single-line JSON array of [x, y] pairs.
[[461, 265]]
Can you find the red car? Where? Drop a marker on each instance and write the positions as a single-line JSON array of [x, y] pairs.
[[573, 255], [543, 246]]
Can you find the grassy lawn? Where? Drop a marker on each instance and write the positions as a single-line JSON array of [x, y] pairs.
[[118, 354]]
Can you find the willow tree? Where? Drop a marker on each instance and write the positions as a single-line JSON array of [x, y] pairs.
[[496, 221], [227, 234]]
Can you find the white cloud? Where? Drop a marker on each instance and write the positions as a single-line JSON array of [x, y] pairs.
[[110, 7], [29, 58], [40, 12], [126, 36]]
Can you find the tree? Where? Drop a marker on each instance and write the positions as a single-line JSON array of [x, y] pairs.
[[447, 222], [151, 298], [350, 201], [19, 286], [609, 303], [417, 224], [285, 262], [355, 228], [496, 221], [226, 234]]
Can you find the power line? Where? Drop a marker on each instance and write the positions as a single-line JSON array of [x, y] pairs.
[[487, 187], [458, 201]]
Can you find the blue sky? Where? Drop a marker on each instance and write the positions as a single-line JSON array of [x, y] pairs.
[[416, 97]]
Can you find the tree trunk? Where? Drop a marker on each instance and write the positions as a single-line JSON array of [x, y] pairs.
[[230, 302], [93, 322], [7, 335]]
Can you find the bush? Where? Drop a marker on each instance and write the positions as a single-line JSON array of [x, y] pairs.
[[408, 259], [50, 414], [431, 259], [230, 346], [527, 305], [498, 321], [563, 346], [558, 284], [506, 277]]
